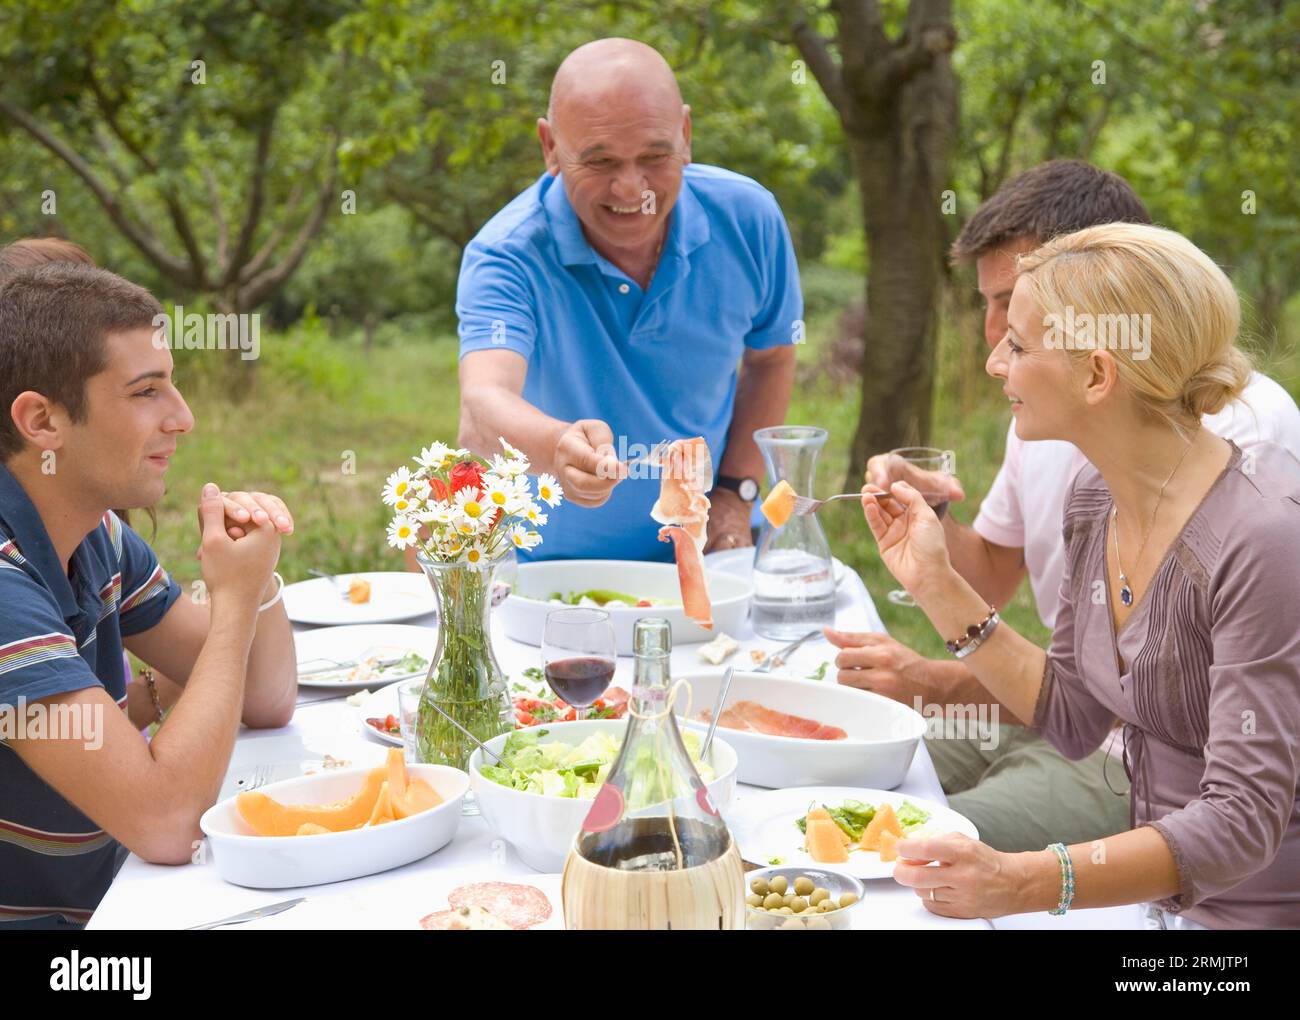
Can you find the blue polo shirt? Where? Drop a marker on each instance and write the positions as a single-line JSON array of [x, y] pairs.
[[61, 632], [655, 364]]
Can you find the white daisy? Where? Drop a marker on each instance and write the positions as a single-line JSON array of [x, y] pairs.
[[519, 536], [498, 492], [434, 457], [470, 502], [397, 485], [548, 489], [533, 514], [402, 533], [473, 555]]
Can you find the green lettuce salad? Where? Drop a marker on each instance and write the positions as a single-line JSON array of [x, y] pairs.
[[555, 769]]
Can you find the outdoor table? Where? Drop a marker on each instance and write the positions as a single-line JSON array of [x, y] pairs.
[[150, 897]]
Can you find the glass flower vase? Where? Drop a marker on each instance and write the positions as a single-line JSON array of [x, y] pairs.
[[464, 685]]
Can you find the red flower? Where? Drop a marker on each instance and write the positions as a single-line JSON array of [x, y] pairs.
[[466, 473], [439, 489]]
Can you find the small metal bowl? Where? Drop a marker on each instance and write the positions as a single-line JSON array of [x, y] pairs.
[[835, 882]]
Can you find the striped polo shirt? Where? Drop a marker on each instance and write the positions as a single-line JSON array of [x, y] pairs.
[[61, 632]]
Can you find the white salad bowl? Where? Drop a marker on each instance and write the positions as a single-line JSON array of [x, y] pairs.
[[882, 734], [542, 827], [281, 862], [524, 612]]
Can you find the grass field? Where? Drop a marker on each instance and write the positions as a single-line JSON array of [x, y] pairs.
[[326, 421]]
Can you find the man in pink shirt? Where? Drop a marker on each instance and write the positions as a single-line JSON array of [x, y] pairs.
[[1017, 789]]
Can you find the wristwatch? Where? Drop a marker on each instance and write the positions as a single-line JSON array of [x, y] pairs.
[[745, 488]]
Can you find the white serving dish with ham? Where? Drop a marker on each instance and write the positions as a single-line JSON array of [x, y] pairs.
[[524, 613], [880, 735]]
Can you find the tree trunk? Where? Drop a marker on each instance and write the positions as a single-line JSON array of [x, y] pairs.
[[902, 169]]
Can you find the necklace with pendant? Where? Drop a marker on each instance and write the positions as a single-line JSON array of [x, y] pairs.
[[1125, 589]]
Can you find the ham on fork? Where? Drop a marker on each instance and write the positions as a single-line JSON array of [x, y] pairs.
[[686, 474]]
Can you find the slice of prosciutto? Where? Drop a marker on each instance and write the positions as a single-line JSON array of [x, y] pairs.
[[750, 715], [686, 474]]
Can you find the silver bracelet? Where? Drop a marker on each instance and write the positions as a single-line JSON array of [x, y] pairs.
[[279, 594]]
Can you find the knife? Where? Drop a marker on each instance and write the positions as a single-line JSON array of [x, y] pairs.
[[250, 915]]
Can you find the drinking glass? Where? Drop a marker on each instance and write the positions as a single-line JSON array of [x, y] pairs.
[[408, 715], [579, 655], [935, 462]]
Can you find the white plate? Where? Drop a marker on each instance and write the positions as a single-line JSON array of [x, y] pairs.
[[881, 734], [379, 705], [283, 862], [740, 563], [763, 826], [524, 613], [394, 595], [346, 644]]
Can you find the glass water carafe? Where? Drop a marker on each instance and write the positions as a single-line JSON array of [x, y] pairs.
[[794, 584]]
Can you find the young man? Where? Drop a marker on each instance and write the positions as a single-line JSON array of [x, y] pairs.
[[148, 696], [89, 418], [1017, 789]]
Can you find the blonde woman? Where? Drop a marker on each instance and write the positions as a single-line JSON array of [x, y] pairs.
[[1177, 618]]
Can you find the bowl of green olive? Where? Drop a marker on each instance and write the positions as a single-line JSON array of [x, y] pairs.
[[801, 899]]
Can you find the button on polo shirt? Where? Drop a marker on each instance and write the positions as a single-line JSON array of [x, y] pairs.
[[654, 364], [61, 632]]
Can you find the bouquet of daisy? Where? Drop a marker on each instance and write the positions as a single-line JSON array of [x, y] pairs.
[[459, 507]]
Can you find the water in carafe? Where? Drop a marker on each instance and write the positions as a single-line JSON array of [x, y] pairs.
[[794, 584]]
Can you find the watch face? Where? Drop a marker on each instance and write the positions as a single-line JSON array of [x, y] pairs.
[[748, 490]]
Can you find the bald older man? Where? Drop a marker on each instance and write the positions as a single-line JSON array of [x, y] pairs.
[[610, 304]]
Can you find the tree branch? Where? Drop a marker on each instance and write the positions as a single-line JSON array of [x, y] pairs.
[[148, 246], [229, 271], [930, 34], [218, 217], [180, 220], [264, 253], [813, 48], [266, 282]]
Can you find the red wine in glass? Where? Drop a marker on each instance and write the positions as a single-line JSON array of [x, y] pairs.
[[580, 680], [579, 655]]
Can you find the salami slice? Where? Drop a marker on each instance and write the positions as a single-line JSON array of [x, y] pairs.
[[439, 920], [520, 906]]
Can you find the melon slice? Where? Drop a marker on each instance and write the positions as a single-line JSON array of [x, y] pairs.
[[396, 765], [383, 811], [779, 504], [821, 812], [418, 796], [884, 821], [269, 817], [888, 846], [824, 842]]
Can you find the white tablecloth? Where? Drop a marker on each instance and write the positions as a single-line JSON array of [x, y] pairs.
[[148, 896]]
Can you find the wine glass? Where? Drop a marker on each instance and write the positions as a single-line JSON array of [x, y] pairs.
[[579, 655], [936, 462]]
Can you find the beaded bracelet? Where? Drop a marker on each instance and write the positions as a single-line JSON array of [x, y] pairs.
[[976, 634], [146, 674], [1067, 878]]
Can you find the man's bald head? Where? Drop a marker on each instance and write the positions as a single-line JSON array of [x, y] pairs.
[[612, 71], [618, 132]]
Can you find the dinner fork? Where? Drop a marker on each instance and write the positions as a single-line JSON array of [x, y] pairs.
[[332, 579], [655, 457], [260, 776], [805, 505]]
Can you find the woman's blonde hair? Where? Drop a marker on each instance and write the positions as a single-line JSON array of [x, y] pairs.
[[1186, 308]]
